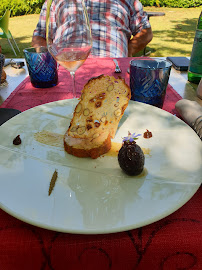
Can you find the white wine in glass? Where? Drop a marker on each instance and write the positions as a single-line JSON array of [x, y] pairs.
[[68, 36]]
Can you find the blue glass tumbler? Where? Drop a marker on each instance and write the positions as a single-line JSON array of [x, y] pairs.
[[149, 80], [42, 67]]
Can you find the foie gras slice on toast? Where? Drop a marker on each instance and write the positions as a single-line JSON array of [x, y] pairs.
[[96, 117]]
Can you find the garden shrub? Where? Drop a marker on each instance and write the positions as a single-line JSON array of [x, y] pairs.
[[21, 7], [35, 5], [172, 3]]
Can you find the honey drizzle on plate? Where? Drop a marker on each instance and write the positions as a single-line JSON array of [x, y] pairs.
[[49, 138]]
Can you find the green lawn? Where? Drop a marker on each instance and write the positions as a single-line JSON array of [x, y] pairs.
[[173, 33]]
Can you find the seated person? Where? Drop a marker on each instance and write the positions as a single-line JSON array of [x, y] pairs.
[[113, 23]]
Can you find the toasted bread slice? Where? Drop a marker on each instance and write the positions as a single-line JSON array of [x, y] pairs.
[[96, 116]]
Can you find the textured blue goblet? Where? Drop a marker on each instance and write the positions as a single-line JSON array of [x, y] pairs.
[[42, 67], [149, 80]]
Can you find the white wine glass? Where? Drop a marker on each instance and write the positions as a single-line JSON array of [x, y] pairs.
[[68, 37]]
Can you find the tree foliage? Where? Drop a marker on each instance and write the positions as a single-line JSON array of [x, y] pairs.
[[22, 7], [172, 3]]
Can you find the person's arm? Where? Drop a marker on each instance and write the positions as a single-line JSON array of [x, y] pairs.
[[39, 35], [140, 29], [139, 41]]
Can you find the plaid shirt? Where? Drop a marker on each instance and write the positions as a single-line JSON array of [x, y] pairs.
[[112, 24]]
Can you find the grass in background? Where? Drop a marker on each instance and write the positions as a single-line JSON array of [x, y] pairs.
[[173, 33], [21, 28]]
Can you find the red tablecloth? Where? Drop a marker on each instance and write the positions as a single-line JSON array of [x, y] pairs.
[[172, 243], [26, 96]]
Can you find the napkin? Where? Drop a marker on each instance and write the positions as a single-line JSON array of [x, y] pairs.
[[191, 113]]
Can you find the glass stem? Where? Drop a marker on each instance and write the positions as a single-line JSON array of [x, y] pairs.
[[74, 86]]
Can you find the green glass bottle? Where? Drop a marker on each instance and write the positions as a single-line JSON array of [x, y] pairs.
[[195, 65]]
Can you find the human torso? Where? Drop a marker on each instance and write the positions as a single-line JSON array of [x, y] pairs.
[[110, 25]]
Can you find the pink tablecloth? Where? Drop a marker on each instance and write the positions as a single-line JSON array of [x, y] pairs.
[[172, 243], [26, 96]]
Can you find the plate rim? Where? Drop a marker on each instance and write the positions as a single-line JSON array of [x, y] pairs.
[[95, 231]]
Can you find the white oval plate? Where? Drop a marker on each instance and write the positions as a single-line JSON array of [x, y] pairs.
[[95, 196]]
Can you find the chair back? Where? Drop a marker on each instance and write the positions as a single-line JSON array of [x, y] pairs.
[[4, 21]]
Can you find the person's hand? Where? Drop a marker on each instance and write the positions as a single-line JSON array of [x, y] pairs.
[[38, 41]]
